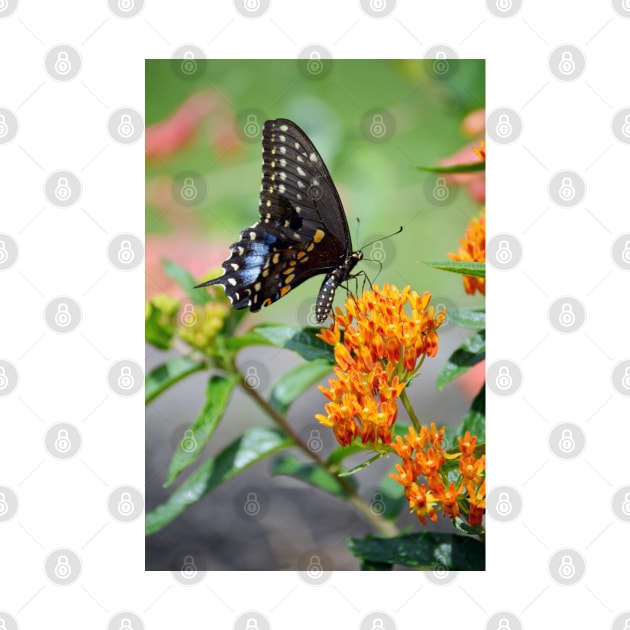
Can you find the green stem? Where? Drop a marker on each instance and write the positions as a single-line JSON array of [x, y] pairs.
[[385, 527], [412, 414]]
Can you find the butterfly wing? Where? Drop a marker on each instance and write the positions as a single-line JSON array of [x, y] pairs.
[[302, 230]]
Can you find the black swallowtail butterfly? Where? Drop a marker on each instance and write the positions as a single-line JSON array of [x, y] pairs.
[[302, 230]]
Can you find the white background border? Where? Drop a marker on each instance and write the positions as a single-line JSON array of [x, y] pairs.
[[63, 378]]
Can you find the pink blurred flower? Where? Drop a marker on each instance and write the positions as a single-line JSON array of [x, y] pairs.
[[473, 125], [164, 138], [184, 248]]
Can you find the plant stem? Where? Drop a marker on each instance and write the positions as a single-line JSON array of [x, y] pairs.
[[385, 527], [412, 414]]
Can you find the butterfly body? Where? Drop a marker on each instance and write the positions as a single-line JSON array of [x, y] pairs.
[[302, 230]]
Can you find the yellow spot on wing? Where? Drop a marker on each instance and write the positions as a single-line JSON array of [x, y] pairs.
[[284, 291], [318, 236]]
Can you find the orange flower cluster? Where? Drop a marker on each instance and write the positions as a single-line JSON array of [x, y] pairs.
[[423, 455], [383, 347], [473, 249]]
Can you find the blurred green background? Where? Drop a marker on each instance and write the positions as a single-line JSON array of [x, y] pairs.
[[376, 179]]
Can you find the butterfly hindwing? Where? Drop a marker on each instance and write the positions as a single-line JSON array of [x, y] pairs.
[[302, 230]]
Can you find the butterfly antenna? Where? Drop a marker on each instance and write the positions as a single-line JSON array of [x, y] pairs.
[[398, 231], [356, 236]]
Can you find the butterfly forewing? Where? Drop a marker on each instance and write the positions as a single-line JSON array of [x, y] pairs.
[[302, 230]]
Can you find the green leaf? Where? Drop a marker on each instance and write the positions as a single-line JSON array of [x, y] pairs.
[[312, 474], [160, 320], [366, 565], [341, 452], [467, 529], [361, 466], [471, 352], [186, 281], [167, 374], [473, 317], [295, 382], [300, 340], [253, 446], [218, 394], [472, 167], [477, 269], [475, 420], [424, 550]]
